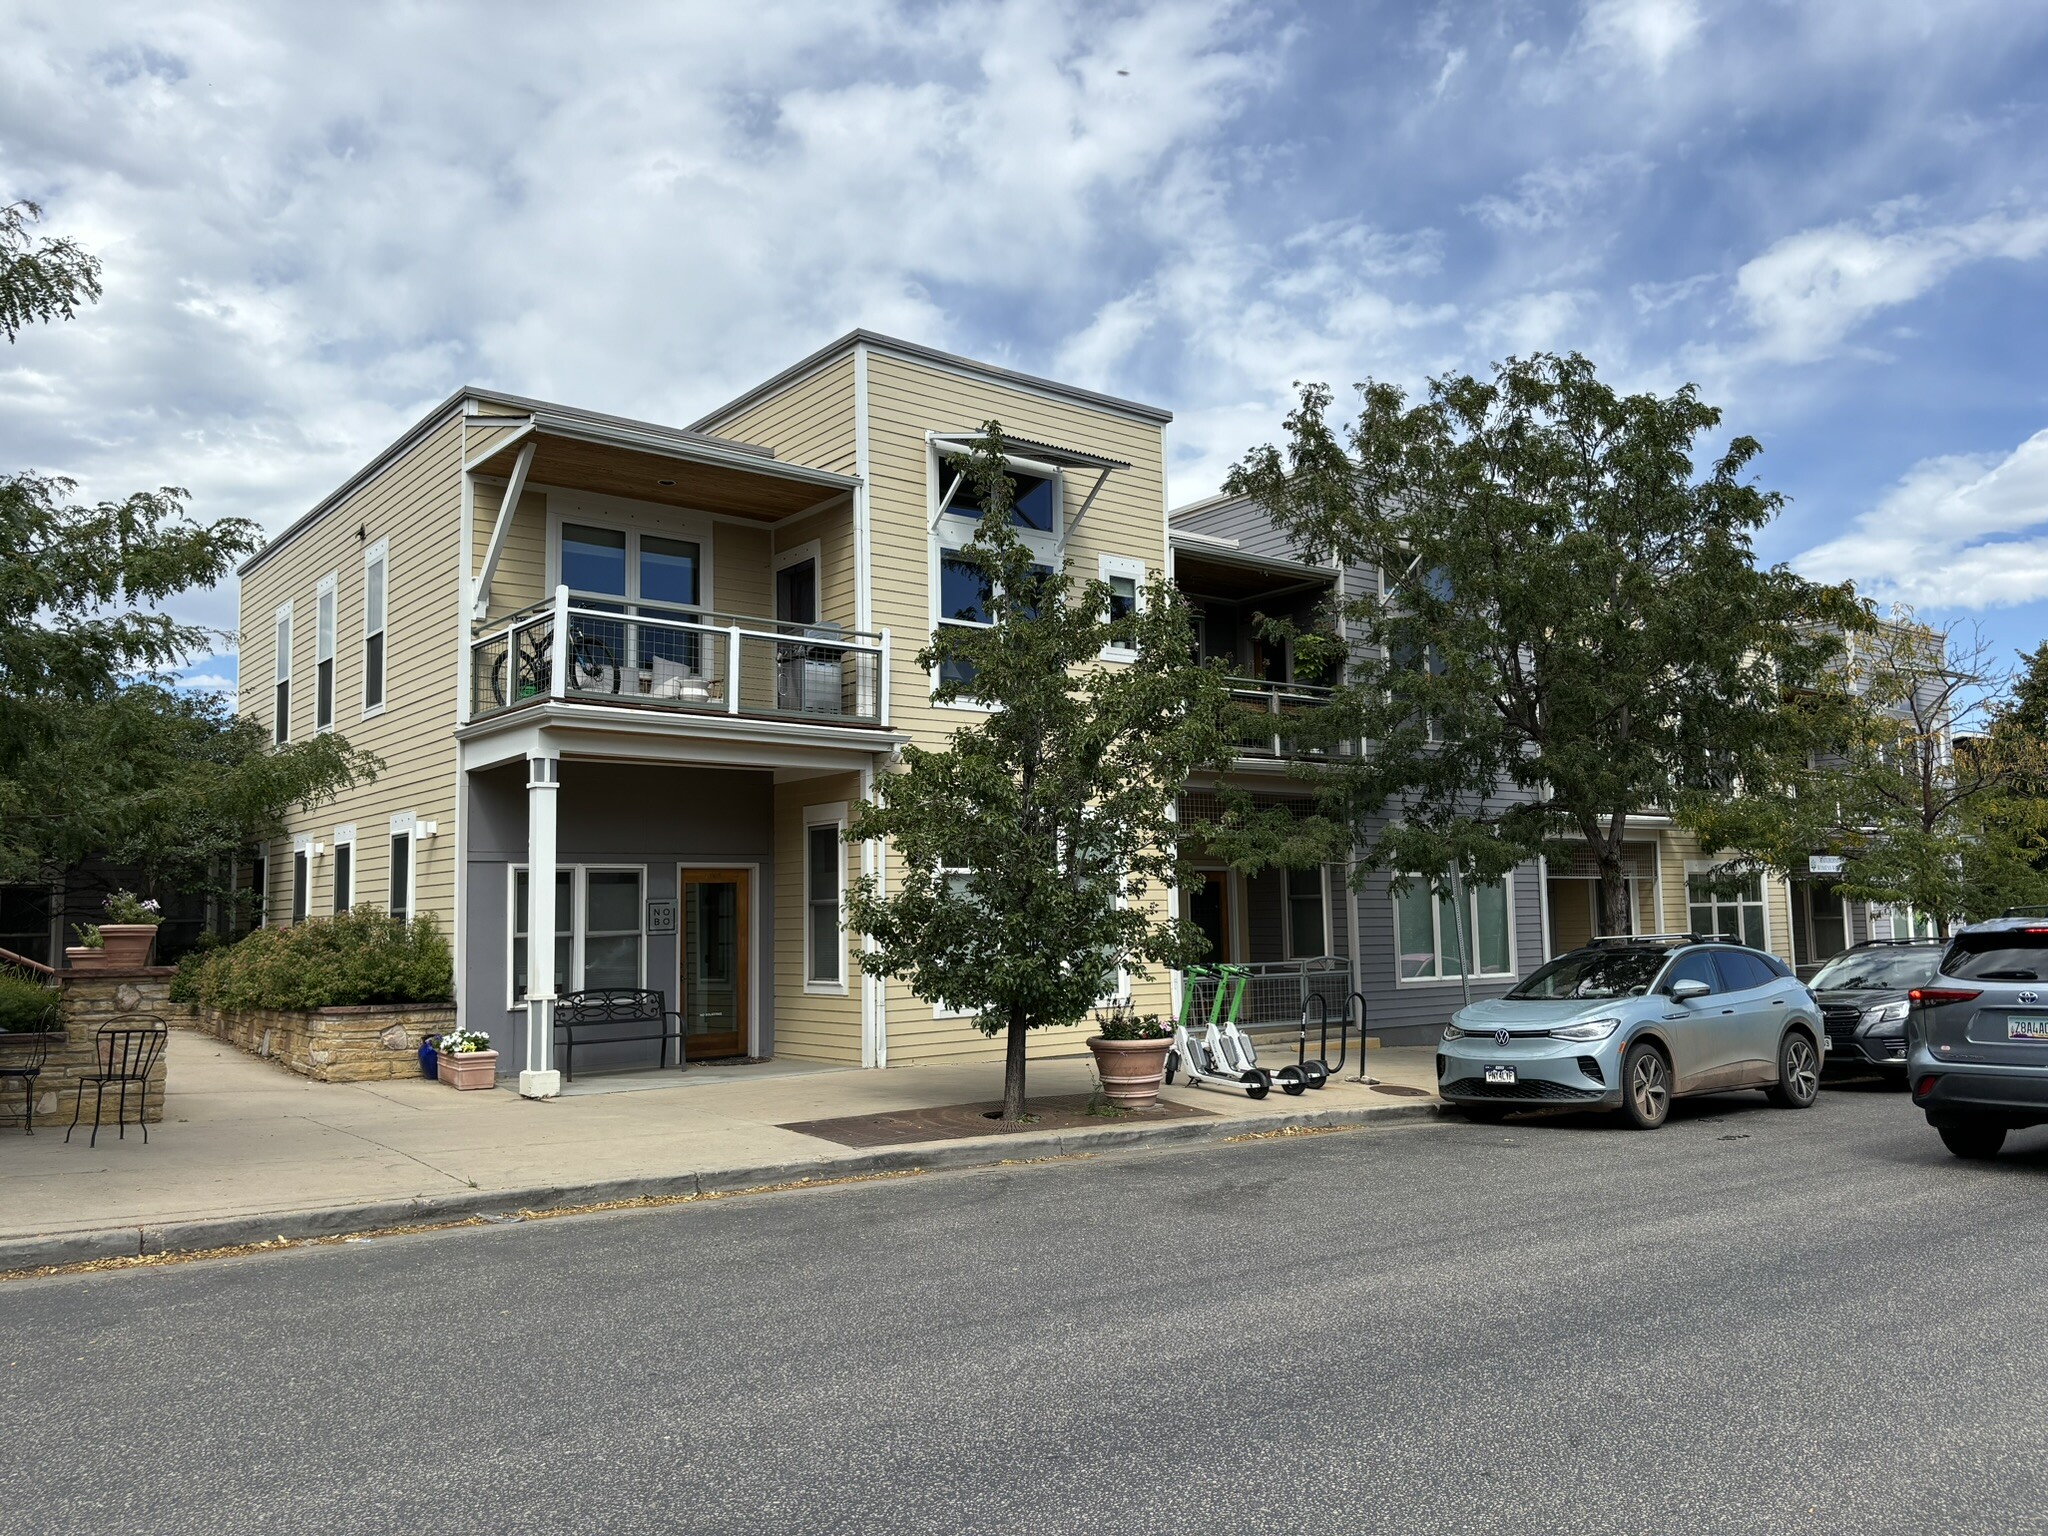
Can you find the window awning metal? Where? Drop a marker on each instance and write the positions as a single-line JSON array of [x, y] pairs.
[[1031, 450]]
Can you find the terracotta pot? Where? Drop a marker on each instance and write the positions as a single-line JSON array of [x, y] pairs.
[[471, 1069], [79, 958], [1132, 1071], [127, 944]]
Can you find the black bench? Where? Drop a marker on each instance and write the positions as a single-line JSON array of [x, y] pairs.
[[596, 1017]]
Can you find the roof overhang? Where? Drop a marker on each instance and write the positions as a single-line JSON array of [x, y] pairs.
[[1027, 448], [1234, 576]]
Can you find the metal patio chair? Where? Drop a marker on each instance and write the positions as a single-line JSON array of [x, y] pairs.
[[128, 1052], [24, 1056]]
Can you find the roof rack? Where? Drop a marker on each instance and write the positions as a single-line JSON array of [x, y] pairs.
[[2024, 912], [1896, 943], [1649, 938]]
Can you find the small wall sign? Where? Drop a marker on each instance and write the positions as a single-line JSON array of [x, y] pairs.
[[661, 915], [1825, 864]]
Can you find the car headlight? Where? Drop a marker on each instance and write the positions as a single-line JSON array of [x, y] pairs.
[[1452, 1032], [1888, 1013], [1588, 1029]]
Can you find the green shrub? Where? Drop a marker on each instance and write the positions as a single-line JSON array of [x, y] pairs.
[[362, 956], [26, 1004]]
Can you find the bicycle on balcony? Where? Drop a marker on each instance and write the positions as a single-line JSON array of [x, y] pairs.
[[592, 664]]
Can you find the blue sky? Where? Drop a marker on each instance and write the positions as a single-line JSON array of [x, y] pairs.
[[1832, 215]]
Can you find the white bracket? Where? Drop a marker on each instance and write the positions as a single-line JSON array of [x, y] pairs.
[[513, 488]]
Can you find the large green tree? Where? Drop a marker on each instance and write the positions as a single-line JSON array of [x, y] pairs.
[[1570, 628], [1033, 850], [100, 757]]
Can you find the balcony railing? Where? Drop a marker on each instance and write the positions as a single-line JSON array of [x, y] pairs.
[[1266, 707], [698, 663]]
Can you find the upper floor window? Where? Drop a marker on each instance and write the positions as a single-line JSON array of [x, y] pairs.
[[376, 581], [628, 572], [1126, 581], [323, 656], [281, 692], [1034, 499]]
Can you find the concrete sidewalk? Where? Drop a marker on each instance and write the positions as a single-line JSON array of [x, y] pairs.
[[247, 1151]]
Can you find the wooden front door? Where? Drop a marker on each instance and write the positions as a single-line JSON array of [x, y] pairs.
[[715, 921]]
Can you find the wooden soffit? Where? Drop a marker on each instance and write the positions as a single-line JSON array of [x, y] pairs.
[[640, 475]]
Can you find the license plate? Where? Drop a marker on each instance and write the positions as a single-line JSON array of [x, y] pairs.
[[1507, 1074], [2026, 1027]]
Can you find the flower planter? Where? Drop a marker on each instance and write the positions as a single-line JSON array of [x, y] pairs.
[[127, 945], [1132, 1071], [80, 958], [471, 1069]]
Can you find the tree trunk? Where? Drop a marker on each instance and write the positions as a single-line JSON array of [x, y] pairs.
[[1615, 916], [1013, 1067]]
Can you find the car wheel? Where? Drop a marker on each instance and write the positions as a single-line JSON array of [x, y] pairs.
[[1798, 1082], [1645, 1086], [1974, 1142]]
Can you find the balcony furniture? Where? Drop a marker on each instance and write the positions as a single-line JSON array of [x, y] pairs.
[[611, 1016], [23, 1054], [807, 675], [128, 1052], [677, 680]]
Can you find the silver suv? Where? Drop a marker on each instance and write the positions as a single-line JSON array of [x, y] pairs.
[[1977, 1038]]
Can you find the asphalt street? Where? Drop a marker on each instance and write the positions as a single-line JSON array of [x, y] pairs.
[[1753, 1320]]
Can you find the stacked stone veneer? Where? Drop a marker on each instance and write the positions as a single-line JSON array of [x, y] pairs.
[[335, 1045], [89, 1004]]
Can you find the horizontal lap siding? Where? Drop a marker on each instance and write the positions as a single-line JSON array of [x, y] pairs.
[[414, 505], [905, 401], [813, 1026], [834, 532], [809, 423], [520, 580]]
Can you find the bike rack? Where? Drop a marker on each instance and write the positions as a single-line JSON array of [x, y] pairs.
[[1357, 999]]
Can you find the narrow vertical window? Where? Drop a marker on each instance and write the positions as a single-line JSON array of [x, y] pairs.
[[824, 869], [323, 657], [376, 575], [398, 886], [1305, 914], [302, 878], [344, 868], [565, 932], [258, 874], [281, 694], [612, 928]]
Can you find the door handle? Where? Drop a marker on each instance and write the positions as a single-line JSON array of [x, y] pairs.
[[1777, 1002]]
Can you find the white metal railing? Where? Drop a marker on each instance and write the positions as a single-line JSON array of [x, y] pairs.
[[1278, 700], [702, 662]]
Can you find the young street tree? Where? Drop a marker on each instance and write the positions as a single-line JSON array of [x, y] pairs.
[[99, 756], [1031, 851], [1573, 628], [1925, 786]]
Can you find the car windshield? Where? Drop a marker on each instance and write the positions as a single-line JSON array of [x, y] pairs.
[[1595, 973], [2017, 954], [1877, 970]]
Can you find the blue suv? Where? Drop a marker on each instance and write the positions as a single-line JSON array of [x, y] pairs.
[[1631, 1024]]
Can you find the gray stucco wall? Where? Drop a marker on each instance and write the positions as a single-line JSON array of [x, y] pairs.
[[616, 814]]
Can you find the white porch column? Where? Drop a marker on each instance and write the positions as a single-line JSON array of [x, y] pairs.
[[540, 1080]]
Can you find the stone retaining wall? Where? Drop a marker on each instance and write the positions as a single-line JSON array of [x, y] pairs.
[[335, 1045], [89, 1003]]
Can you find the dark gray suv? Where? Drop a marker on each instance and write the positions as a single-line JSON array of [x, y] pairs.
[[1865, 994], [1977, 1038]]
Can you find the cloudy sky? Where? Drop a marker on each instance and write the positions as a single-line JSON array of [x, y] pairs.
[[316, 221]]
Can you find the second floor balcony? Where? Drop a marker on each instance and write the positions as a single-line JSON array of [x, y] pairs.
[[1271, 725], [574, 650]]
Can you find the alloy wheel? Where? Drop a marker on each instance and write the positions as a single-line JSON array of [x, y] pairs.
[[1802, 1070], [1649, 1086]]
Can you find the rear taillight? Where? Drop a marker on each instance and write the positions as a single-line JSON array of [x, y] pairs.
[[1943, 995], [1924, 1087]]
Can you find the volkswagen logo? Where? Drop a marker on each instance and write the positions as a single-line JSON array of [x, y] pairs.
[[2029, 997], [1500, 1036]]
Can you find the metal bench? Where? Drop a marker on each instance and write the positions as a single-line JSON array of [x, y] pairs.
[[595, 1016]]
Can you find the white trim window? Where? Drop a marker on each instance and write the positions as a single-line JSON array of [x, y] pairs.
[[611, 563], [1125, 579], [1426, 932], [1737, 916], [344, 867], [323, 654], [401, 873], [1308, 929], [281, 675], [824, 898], [960, 595], [302, 877], [600, 928], [376, 602], [1901, 922]]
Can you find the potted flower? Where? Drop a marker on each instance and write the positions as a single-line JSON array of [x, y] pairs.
[[128, 931], [464, 1059], [1130, 1055]]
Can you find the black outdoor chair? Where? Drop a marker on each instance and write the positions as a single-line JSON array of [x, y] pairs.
[[128, 1051], [24, 1056], [615, 1016]]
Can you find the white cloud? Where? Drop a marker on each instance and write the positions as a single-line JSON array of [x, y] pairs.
[[1642, 32], [1956, 532], [1554, 196], [1807, 294]]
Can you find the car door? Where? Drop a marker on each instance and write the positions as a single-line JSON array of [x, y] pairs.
[[1755, 1013], [1695, 1028]]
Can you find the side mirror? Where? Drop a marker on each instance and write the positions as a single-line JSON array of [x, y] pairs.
[[1686, 991]]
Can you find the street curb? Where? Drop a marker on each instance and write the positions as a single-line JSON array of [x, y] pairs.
[[56, 1249]]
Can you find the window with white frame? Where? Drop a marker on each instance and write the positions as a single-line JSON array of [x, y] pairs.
[[302, 877], [376, 596], [616, 567], [344, 867], [281, 691], [1733, 912], [323, 655], [1902, 923], [600, 928], [398, 880], [1307, 935], [1427, 933], [1125, 579], [961, 596], [824, 890]]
